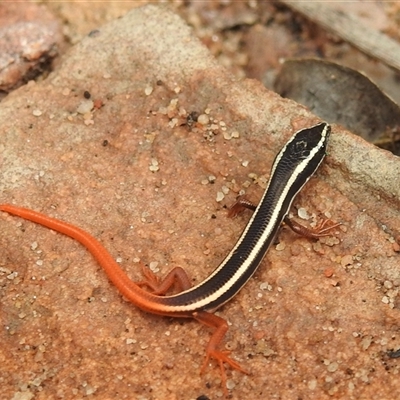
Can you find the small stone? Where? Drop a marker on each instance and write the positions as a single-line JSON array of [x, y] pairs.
[[85, 107], [37, 113], [225, 189], [366, 342], [154, 266], [280, 246], [230, 384], [12, 276], [220, 196], [333, 366], [203, 119], [388, 284], [303, 214], [227, 135], [154, 165], [312, 384], [346, 260]]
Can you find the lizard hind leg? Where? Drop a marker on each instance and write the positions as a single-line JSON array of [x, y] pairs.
[[221, 356]]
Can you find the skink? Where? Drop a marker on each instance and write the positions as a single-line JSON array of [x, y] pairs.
[[293, 166]]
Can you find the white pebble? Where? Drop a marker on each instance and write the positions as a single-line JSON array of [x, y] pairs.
[[85, 106], [302, 213], [332, 367], [203, 119], [154, 266], [220, 196]]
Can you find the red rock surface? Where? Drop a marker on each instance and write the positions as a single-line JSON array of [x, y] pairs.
[[30, 38], [129, 166]]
